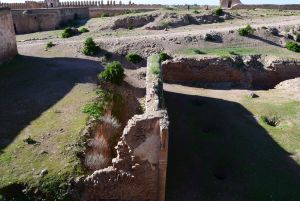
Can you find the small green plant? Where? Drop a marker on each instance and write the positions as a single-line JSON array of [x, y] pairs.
[[94, 110], [264, 27], [83, 30], [196, 12], [113, 73], [293, 46], [130, 27], [104, 15], [218, 11], [90, 47], [30, 140], [133, 58], [67, 33], [163, 56], [247, 30], [50, 44]]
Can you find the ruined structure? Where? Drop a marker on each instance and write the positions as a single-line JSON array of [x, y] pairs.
[[8, 45], [52, 3], [138, 172], [229, 3], [245, 72]]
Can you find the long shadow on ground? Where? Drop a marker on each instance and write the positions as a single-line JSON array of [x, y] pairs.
[[31, 85], [217, 151]]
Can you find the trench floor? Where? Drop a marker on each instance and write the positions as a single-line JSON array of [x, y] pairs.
[[221, 148]]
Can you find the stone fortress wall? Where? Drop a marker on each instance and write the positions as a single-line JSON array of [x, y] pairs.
[[267, 6], [8, 45], [33, 20]]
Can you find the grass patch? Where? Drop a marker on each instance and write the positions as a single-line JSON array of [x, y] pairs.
[[67, 33], [163, 56], [104, 15]]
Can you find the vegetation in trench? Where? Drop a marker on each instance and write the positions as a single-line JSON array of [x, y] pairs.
[[293, 46], [113, 73], [133, 58], [90, 47], [247, 30]]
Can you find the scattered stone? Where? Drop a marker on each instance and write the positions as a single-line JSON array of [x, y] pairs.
[[43, 172], [253, 95]]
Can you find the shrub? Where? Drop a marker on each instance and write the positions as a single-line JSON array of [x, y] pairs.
[[113, 73], [246, 31], [196, 12], [155, 64], [83, 30], [49, 44], [67, 33], [293, 46], [218, 11], [133, 58], [163, 56], [94, 110], [90, 47], [130, 27], [104, 15], [298, 37]]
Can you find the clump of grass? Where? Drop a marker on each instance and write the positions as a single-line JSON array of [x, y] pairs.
[[163, 56], [30, 140], [196, 12], [83, 30], [133, 58], [293, 46], [104, 15], [67, 33], [247, 30], [113, 73], [50, 44], [155, 64], [218, 11], [90, 47]]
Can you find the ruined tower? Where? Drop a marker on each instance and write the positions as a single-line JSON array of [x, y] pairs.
[[229, 3], [52, 3]]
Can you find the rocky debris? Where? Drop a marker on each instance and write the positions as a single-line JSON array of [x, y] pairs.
[[274, 31], [252, 95], [213, 37], [43, 172], [129, 22]]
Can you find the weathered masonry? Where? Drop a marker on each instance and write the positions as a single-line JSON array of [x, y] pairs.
[[8, 45]]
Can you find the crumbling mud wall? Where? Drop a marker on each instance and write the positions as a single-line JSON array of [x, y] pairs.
[[33, 20], [138, 172], [248, 71], [8, 45], [267, 6], [229, 3], [118, 10]]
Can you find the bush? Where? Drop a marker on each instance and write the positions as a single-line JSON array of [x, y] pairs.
[[90, 47], [298, 37], [113, 73], [196, 12], [49, 44], [67, 33], [218, 11], [163, 56], [133, 58], [246, 31], [83, 30], [104, 15], [293, 46]]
